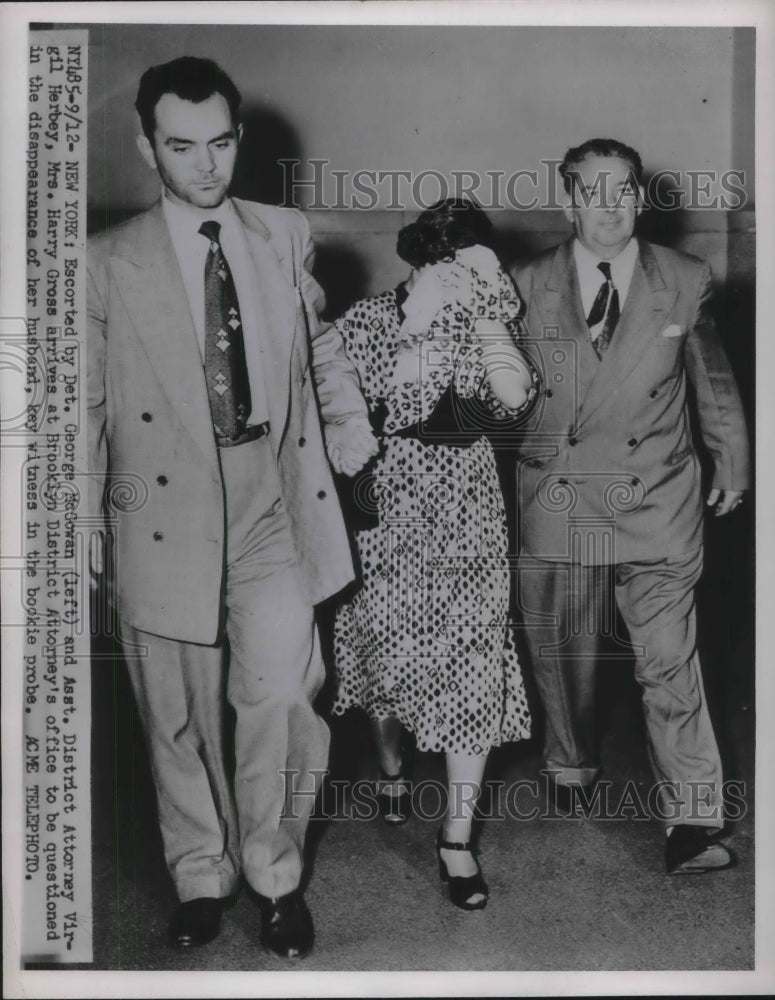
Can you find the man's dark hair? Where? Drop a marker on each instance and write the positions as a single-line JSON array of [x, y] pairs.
[[191, 79], [440, 230], [598, 147]]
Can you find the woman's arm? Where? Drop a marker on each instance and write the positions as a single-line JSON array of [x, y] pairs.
[[508, 372]]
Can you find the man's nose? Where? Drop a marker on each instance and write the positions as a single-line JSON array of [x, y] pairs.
[[608, 201], [205, 161]]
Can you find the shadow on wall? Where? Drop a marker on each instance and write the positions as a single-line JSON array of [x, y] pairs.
[[515, 245], [726, 595], [665, 222], [267, 139], [343, 275]]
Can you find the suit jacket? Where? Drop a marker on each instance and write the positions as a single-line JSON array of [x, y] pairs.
[[151, 432], [609, 472]]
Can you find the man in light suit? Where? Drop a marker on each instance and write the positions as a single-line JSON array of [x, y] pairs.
[[204, 343], [610, 505]]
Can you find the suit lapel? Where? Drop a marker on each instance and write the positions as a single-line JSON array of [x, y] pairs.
[[152, 288], [649, 301], [558, 304], [276, 301]]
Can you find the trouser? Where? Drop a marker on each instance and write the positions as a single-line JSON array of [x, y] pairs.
[[656, 601], [270, 670]]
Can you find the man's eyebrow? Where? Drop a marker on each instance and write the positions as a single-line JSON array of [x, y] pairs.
[[229, 134], [629, 182], [173, 140]]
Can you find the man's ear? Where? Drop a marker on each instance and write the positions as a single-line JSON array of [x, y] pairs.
[[146, 150], [567, 208]]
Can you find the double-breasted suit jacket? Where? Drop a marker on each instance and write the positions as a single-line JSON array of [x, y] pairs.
[[150, 424], [612, 458], [610, 476]]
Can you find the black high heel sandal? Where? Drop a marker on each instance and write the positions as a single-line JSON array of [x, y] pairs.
[[394, 809], [461, 887]]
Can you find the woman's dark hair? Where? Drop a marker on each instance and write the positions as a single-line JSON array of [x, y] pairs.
[[191, 79], [440, 230]]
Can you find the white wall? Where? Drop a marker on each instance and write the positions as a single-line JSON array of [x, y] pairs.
[[453, 98], [437, 97]]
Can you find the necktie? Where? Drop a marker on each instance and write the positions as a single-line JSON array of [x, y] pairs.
[[226, 370], [607, 296]]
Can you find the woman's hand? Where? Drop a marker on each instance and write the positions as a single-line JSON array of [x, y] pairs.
[[435, 286], [421, 305]]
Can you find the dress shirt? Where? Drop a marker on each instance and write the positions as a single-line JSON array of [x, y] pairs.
[[191, 249], [591, 277]]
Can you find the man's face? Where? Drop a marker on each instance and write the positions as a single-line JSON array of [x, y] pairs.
[[194, 149], [606, 201]]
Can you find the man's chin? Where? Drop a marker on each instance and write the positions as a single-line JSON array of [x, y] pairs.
[[614, 238], [207, 197]]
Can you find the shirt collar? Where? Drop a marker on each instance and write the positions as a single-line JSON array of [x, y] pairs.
[[186, 221], [587, 262]]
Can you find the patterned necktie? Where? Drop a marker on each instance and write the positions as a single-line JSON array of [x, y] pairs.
[[226, 370], [606, 296]]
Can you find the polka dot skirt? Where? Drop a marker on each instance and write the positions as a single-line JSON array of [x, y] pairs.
[[427, 638]]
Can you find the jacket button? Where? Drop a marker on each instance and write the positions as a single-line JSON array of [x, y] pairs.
[[632, 442], [573, 441], [653, 394], [302, 442], [162, 480], [157, 536], [321, 494], [549, 393], [147, 417]]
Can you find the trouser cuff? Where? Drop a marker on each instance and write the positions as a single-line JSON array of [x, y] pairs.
[[562, 775], [210, 884]]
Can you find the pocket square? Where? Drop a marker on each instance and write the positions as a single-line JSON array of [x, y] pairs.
[[672, 331]]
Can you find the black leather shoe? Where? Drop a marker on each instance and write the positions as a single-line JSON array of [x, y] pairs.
[[286, 925], [195, 923], [693, 850]]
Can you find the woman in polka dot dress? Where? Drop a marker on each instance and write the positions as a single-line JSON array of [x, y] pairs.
[[424, 644]]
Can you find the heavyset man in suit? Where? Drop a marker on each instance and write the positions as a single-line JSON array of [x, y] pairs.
[[609, 490], [204, 341]]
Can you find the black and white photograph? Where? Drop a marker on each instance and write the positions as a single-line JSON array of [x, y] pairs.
[[385, 409]]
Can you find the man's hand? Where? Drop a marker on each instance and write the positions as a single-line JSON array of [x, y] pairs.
[[96, 558], [724, 501], [350, 445]]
